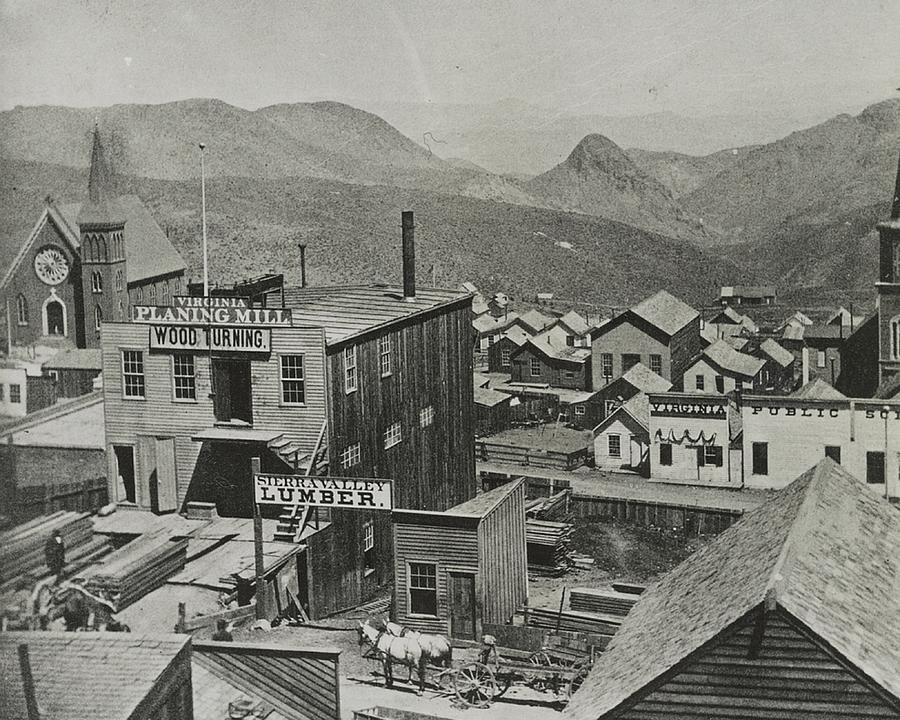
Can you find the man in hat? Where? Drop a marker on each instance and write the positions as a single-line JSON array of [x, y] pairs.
[[55, 554], [223, 632]]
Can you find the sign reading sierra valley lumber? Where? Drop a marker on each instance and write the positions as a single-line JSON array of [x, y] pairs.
[[363, 493]]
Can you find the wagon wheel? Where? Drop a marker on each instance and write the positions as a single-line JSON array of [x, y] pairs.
[[475, 685], [540, 659], [576, 682]]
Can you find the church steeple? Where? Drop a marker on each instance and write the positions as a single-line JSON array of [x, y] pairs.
[[101, 209], [888, 290]]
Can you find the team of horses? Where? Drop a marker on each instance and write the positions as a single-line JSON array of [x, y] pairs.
[[415, 650]]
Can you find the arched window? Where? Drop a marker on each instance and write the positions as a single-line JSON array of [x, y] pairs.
[[21, 310], [164, 291], [98, 317], [895, 338], [96, 282], [152, 294], [120, 280], [54, 315], [121, 310]]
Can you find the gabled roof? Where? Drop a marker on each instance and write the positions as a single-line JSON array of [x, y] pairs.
[[637, 408], [776, 352], [516, 334], [535, 320], [76, 359], [823, 549], [818, 389], [84, 675], [747, 291], [483, 503], [102, 208], [575, 323], [488, 324], [645, 380], [738, 342], [564, 353], [726, 358], [665, 311], [489, 398], [798, 318], [727, 315]]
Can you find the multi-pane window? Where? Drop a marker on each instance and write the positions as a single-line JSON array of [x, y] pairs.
[[699, 382], [15, 393], [120, 280], [535, 367], [423, 588], [184, 380], [504, 358], [614, 444], [96, 282], [760, 456], [21, 310], [656, 364], [384, 355], [606, 365], [426, 416], [133, 373], [709, 455], [98, 317], [350, 456], [151, 292], [579, 409], [665, 453], [164, 292], [369, 545], [392, 436], [350, 377], [569, 374], [293, 390]]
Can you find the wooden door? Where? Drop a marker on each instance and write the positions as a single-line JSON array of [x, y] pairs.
[[222, 390], [166, 481], [462, 606], [146, 486]]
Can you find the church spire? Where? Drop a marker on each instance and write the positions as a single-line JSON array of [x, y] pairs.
[[98, 182], [101, 207]]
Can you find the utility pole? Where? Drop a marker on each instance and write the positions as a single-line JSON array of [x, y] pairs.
[[886, 410], [203, 215], [262, 604]]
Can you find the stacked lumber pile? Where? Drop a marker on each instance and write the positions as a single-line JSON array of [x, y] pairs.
[[573, 621], [629, 588], [22, 547], [607, 602], [548, 508], [137, 568], [548, 547]]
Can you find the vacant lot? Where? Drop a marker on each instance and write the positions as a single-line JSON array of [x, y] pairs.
[[546, 437]]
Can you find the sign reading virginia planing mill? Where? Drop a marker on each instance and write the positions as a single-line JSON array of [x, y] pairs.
[[199, 315], [362, 493]]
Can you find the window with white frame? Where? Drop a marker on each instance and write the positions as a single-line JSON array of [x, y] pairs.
[[614, 445], [151, 293], [426, 416], [820, 358], [184, 380], [15, 393], [709, 455], [579, 409], [504, 358], [164, 292], [384, 355], [656, 364], [133, 374], [98, 318], [535, 367], [21, 310], [569, 374], [350, 377], [120, 280], [392, 436], [350, 456], [895, 338], [606, 365], [369, 546], [293, 388], [423, 588], [699, 382], [96, 282]]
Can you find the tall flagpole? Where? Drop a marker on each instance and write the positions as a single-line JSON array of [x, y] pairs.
[[203, 212]]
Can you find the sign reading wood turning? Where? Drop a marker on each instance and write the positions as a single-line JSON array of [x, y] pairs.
[[363, 493], [217, 339]]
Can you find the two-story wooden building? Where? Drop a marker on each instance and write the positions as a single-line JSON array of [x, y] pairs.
[[722, 369], [540, 360], [662, 332]]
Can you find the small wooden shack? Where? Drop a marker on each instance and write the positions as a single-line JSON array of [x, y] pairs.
[[458, 569], [491, 411]]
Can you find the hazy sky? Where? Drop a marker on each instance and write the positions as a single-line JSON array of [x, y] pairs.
[[614, 58]]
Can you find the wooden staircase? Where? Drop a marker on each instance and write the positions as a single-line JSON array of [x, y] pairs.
[[294, 518]]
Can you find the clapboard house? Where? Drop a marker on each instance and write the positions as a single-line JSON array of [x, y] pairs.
[[86, 263], [722, 369], [638, 379], [541, 360], [500, 353], [661, 332], [74, 372], [793, 612], [457, 570], [376, 381]]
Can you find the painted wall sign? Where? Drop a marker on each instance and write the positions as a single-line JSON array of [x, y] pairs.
[[215, 338], [258, 317], [688, 409], [363, 493], [210, 301], [892, 413]]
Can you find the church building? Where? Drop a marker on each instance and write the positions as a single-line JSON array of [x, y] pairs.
[[85, 263]]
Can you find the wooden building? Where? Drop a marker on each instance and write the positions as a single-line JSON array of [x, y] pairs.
[[75, 371], [382, 374], [721, 369], [489, 328], [637, 379], [492, 411], [86, 263], [460, 569], [728, 322], [816, 349], [793, 612], [778, 371], [74, 676], [661, 332], [747, 295], [22, 391], [622, 439], [540, 360], [499, 354]]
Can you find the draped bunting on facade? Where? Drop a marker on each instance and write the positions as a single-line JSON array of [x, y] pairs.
[[685, 437]]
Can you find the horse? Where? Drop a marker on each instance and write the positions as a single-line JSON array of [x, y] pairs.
[[404, 650], [436, 648]]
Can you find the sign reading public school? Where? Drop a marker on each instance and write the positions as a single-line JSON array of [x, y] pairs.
[[199, 315], [215, 338], [323, 491]]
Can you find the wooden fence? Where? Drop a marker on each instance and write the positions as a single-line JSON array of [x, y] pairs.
[[535, 487], [692, 520], [298, 683], [79, 495], [535, 457]]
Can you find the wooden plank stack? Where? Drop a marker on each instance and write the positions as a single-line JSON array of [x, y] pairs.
[[607, 602], [573, 621], [548, 547], [629, 588], [139, 567], [22, 547], [548, 508]]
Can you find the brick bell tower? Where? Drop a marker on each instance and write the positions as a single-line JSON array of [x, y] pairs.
[[888, 290], [101, 225]]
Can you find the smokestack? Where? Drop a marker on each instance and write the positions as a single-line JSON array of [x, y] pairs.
[[302, 265], [409, 255]]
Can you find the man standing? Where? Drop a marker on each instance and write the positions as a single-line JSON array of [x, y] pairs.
[[55, 554]]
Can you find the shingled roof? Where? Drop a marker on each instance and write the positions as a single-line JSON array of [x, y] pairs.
[[823, 549], [563, 353], [727, 358], [665, 311], [645, 380], [776, 352]]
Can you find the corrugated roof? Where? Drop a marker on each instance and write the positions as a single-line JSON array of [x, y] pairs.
[[776, 352], [344, 312], [818, 389], [76, 359], [564, 353], [486, 396], [825, 547], [84, 675], [729, 359], [665, 311], [645, 380]]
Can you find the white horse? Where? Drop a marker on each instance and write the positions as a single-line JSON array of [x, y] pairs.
[[404, 650], [436, 648]]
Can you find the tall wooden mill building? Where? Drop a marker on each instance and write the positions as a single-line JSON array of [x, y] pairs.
[[382, 374]]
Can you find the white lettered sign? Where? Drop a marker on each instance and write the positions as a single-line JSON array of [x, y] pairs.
[[322, 491]]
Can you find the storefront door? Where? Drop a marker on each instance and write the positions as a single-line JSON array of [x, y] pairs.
[[462, 606]]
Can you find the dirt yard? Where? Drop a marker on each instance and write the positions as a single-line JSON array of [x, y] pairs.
[[548, 437]]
